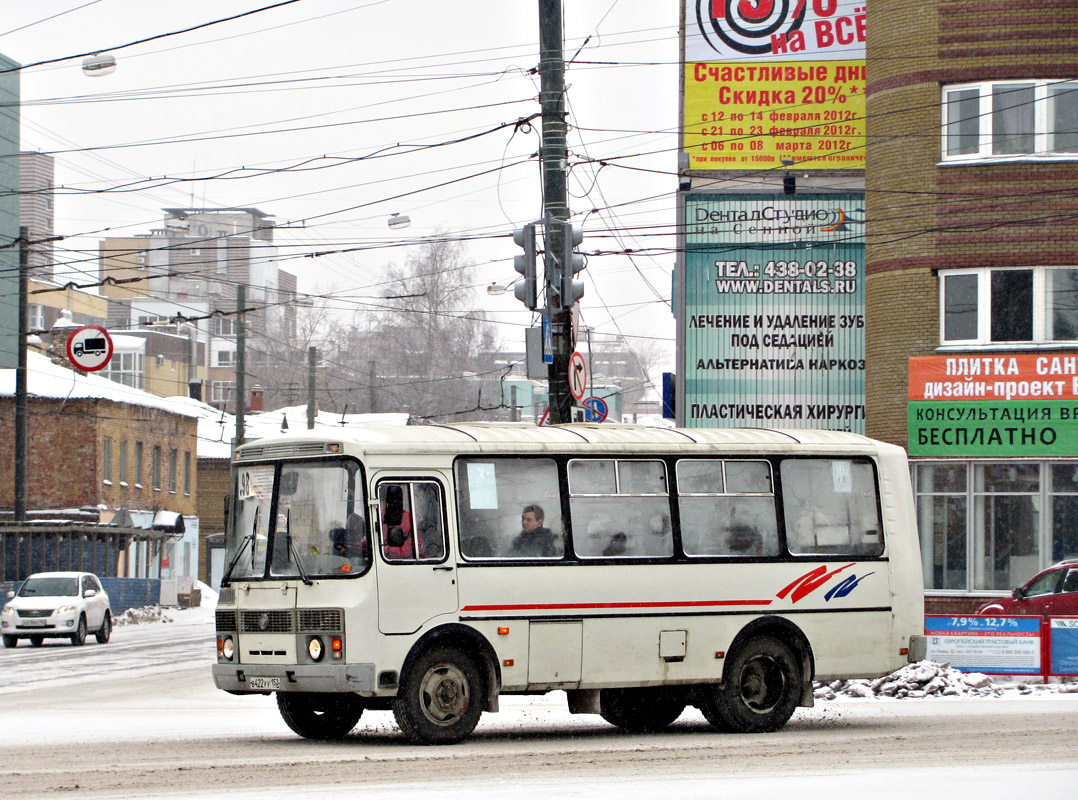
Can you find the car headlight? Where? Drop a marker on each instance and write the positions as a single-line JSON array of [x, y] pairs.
[[64, 610], [315, 649], [8, 611]]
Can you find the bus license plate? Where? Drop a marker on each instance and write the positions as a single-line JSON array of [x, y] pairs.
[[264, 683]]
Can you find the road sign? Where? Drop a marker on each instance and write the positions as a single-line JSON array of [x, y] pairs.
[[90, 348], [596, 409], [578, 375]]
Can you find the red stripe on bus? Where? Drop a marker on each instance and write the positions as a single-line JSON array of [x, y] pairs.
[[569, 606]]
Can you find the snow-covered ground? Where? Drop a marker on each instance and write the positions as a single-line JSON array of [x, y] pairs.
[[140, 717]]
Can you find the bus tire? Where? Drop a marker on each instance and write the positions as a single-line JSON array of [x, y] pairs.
[[440, 697], [640, 710], [760, 691], [315, 715]]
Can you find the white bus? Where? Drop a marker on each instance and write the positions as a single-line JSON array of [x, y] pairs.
[[430, 569]]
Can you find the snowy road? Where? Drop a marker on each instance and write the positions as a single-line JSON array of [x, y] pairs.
[[139, 717]]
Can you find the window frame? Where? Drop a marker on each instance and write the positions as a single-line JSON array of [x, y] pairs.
[[984, 308], [1043, 135], [411, 482]]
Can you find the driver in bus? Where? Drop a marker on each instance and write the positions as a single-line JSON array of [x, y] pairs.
[[534, 540]]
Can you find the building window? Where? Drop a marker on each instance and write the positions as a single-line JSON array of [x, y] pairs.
[[187, 472], [35, 317], [155, 468], [126, 369], [141, 259], [1010, 119], [1014, 305], [226, 358], [138, 464], [106, 459], [172, 461], [993, 526], [224, 326], [222, 391], [123, 463]]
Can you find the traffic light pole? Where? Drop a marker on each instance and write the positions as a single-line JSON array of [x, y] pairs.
[[553, 156]]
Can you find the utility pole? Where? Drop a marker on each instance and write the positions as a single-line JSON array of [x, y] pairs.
[[21, 401], [553, 155], [241, 363], [312, 397]]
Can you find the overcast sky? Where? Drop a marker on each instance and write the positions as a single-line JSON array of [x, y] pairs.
[[315, 112]]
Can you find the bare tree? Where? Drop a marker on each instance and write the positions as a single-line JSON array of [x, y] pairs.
[[429, 336]]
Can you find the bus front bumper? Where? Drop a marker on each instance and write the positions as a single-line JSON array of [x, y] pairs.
[[264, 678]]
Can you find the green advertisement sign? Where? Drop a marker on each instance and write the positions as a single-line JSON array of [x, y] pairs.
[[982, 428], [773, 324]]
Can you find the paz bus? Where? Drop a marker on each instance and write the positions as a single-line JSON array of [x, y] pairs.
[[430, 569]]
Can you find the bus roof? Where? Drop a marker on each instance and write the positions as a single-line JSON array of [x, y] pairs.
[[479, 437]]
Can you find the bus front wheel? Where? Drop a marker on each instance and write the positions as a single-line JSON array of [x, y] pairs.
[[439, 698], [761, 689], [640, 710], [319, 716]]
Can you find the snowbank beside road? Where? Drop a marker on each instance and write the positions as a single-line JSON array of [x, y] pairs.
[[929, 679]]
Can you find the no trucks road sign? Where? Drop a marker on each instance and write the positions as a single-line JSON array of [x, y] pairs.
[[90, 348]]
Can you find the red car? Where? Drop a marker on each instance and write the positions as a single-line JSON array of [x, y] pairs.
[[1052, 593]]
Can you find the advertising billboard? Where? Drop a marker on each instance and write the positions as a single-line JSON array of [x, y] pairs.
[[774, 80], [773, 324], [1002, 405]]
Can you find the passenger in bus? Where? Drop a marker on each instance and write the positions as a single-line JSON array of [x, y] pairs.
[[396, 525], [617, 545], [348, 542], [534, 540]]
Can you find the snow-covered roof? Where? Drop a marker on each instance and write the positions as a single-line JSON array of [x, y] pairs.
[[47, 380], [217, 429]]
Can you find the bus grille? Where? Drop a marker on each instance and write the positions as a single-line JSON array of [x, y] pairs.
[[226, 621], [267, 622], [320, 619], [227, 596], [289, 450]]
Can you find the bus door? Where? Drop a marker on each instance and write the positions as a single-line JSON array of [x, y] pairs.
[[416, 578]]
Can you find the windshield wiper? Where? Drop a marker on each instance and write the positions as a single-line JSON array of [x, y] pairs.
[[292, 548], [243, 546]]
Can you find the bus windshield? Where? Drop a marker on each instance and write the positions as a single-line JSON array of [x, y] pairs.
[[297, 520]]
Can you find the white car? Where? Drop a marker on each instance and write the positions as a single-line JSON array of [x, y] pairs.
[[55, 605]]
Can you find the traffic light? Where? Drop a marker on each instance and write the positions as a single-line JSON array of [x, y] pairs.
[[570, 289], [525, 288]]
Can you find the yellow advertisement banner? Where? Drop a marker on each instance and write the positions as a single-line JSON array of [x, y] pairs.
[[751, 117]]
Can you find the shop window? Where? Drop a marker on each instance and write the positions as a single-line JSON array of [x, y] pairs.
[[1013, 305], [1005, 120]]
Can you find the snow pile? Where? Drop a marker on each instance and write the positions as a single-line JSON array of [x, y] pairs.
[[139, 616], [924, 679]]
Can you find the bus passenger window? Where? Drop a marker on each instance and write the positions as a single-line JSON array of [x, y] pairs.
[[509, 508], [410, 521], [727, 508], [831, 507], [620, 508]]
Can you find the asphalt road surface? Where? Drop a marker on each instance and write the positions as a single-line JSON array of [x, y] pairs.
[[139, 717]]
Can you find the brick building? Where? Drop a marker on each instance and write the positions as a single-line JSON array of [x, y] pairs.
[[95, 447], [972, 287]]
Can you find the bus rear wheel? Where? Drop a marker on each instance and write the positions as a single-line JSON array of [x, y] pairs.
[[319, 716], [641, 710], [439, 697], [761, 689]]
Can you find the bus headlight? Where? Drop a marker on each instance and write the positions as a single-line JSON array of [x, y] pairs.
[[315, 649], [227, 648]]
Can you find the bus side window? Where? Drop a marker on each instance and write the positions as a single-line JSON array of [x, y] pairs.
[[831, 507], [727, 508], [411, 527], [620, 508]]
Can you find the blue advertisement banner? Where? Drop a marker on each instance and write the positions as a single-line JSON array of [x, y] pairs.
[[992, 645], [1064, 644]]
